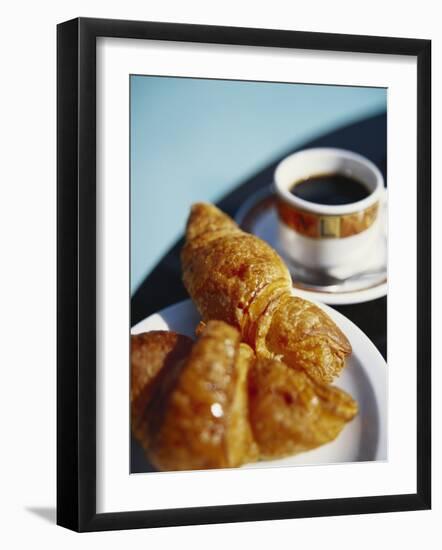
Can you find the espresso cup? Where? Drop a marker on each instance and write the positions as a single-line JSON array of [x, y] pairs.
[[321, 236]]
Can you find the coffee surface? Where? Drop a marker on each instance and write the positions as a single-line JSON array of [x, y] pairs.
[[331, 189]]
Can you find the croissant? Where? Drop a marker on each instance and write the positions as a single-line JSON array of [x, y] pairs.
[[238, 278], [291, 413], [197, 415], [214, 404]]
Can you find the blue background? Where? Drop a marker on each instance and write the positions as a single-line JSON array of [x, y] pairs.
[[195, 139]]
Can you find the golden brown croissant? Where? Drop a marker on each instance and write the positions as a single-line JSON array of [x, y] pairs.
[[238, 278], [216, 405], [290, 413], [197, 417]]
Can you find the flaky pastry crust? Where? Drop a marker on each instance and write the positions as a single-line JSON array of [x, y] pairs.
[[238, 278], [291, 413]]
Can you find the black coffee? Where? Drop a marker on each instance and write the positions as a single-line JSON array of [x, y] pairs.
[[333, 189]]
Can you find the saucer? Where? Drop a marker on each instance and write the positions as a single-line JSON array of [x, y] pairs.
[[258, 216]]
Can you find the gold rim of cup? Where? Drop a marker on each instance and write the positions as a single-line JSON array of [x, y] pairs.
[[319, 226]]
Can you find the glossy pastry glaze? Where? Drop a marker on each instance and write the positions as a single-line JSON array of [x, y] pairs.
[[152, 354], [202, 422], [226, 270], [238, 278], [302, 335], [290, 413]]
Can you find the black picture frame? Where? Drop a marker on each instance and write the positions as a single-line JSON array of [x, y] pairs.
[[76, 273]]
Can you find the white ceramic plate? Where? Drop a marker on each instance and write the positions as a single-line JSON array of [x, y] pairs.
[[365, 378], [258, 216]]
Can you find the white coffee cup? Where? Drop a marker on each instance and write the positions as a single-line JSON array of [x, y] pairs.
[[328, 237]]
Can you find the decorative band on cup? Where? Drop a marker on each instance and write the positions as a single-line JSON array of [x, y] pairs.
[[317, 226]]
